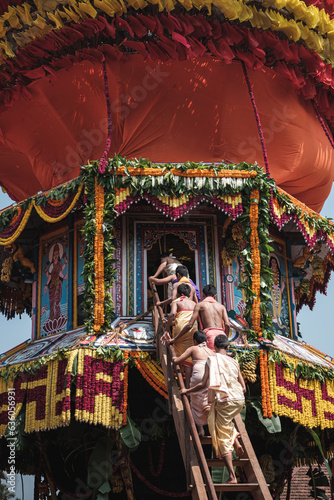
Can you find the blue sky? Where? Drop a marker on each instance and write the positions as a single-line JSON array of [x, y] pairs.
[[315, 326]]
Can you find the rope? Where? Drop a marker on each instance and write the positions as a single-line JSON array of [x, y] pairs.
[[316, 109], [257, 116], [104, 162]]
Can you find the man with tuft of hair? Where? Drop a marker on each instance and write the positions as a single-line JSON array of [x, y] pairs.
[[226, 391], [199, 353]]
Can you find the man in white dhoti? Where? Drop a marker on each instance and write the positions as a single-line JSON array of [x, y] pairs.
[[226, 391], [199, 354]]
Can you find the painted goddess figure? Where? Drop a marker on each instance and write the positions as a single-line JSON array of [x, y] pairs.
[[55, 276], [277, 289]]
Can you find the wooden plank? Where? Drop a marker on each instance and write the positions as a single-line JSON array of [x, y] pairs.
[[205, 439], [237, 487], [198, 491], [168, 374], [216, 462], [252, 470], [178, 415]]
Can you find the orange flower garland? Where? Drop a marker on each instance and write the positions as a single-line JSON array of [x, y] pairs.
[[98, 259], [266, 376], [265, 391], [126, 387], [189, 173], [152, 373], [256, 272]]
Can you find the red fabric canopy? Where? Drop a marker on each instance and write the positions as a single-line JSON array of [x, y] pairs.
[[171, 111]]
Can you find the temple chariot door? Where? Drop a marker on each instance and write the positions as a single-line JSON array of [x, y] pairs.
[[143, 236]]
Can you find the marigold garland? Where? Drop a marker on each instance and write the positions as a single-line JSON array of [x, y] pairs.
[[100, 390], [263, 385], [40, 211], [57, 203], [66, 409], [157, 171], [12, 238], [126, 386], [256, 272], [265, 391], [98, 258], [308, 402], [153, 376]]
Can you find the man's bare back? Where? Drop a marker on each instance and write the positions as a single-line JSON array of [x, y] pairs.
[[184, 303], [212, 314]]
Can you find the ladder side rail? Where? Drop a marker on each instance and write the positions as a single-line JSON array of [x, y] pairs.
[[252, 470], [194, 434], [158, 317], [198, 490], [166, 355], [159, 322]]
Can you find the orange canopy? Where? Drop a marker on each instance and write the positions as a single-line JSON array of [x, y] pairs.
[[171, 111]]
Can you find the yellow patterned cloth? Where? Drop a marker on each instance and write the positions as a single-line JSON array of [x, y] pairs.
[[181, 319], [221, 426]]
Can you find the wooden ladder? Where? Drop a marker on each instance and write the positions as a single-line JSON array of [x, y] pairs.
[[197, 466], [249, 467]]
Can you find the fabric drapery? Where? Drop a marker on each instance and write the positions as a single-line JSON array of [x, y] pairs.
[[163, 111]]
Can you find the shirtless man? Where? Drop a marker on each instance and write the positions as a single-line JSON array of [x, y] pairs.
[[168, 264], [212, 314], [223, 377], [182, 276], [181, 311], [199, 353]]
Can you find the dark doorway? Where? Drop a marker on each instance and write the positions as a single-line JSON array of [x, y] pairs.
[[171, 243]]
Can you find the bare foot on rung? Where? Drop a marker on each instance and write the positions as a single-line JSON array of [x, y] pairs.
[[231, 481], [239, 451]]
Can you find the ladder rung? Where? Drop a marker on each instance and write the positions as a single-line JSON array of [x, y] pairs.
[[206, 439], [216, 462], [236, 487]]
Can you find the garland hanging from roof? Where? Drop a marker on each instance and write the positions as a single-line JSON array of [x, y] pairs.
[[52, 206], [100, 392]]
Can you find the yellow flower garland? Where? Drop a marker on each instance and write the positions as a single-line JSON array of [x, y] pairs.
[[98, 259], [11, 239], [47, 218], [41, 213], [288, 399]]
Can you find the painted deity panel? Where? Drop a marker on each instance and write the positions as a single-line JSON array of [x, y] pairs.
[[53, 284], [234, 275], [78, 288], [280, 295]]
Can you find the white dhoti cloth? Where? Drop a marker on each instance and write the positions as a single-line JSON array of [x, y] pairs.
[[228, 403], [199, 400]]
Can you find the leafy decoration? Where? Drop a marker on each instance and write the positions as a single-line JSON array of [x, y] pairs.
[[302, 369]]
